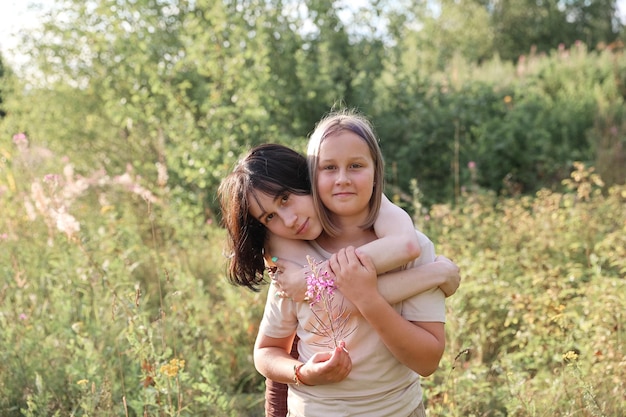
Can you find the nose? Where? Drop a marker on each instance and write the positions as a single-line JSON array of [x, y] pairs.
[[342, 177], [288, 217]]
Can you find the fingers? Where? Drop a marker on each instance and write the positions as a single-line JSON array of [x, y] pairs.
[[334, 365], [365, 260], [344, 258], [441, 258]]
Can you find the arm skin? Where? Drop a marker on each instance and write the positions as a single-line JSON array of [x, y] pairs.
[[393, 286], [272, 360], [397, 243], [418, 345]]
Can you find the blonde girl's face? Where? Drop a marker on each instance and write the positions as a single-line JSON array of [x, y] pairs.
[[290, 216], [345, 175]]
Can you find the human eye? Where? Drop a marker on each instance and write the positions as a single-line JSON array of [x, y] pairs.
[[328, 167], [356, 165], [268, 218], [284, 198]]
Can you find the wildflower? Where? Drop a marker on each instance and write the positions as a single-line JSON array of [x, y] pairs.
[[51, 178], [570, 356], [331, 319], [65, 222], [82, 382], [20, 138], [171, 369]]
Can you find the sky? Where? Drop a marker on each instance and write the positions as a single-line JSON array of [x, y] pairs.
[[16, 15]]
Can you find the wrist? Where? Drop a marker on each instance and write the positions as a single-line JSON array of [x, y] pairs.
[[370, 304], [297, 375]]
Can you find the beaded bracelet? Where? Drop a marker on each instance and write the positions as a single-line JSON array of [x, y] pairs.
[[296, 373]]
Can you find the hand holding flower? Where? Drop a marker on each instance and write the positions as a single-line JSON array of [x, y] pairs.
[[327, 367]]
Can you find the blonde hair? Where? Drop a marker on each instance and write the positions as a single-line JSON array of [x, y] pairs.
[[331, 124]]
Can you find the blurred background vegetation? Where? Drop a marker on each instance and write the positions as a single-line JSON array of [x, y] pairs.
[[503, 127]]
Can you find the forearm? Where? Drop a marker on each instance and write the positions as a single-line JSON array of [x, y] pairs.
[[392, 252], [274, 362], [398, 286], [397, 242], [417, 346]]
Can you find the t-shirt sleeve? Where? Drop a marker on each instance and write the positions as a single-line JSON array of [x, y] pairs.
[[280, 317], [428, 306]]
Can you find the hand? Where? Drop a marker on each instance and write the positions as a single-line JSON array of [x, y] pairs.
[[355, 275], [451, 275], [289, 279], [327, 367]]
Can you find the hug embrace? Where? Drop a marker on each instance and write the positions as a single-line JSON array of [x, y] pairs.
[[281, 211]]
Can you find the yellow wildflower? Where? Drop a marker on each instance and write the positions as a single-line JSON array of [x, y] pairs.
[[570, 356], [171, 369]]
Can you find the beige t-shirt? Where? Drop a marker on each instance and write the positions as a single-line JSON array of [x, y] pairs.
[[378, 385]]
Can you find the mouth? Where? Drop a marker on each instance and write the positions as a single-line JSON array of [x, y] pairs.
[[343, 194], [302, 227]]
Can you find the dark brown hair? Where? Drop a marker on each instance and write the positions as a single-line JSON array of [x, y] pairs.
[[271, 169]]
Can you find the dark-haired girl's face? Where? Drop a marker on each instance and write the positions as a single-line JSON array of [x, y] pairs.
[[291, 216]]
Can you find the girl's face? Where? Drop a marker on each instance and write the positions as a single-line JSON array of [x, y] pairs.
[[290, 216], [345, 175]]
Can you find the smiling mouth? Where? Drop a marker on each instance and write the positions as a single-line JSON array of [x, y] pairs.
[[301, 228]]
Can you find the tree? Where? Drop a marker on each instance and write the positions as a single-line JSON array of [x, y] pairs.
[[524, 25]]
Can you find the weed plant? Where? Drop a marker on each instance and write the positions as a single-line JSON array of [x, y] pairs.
[[537, 326]]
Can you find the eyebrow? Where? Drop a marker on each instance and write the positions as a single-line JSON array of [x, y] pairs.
[[358, 158], [263, 212]]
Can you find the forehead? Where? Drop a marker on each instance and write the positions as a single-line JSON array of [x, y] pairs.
[[260, 203], [336, 145]]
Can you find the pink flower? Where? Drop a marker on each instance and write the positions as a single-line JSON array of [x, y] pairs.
[[331, 319], [19, 138]]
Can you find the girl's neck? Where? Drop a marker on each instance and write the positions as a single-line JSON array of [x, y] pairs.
[[348, 236]]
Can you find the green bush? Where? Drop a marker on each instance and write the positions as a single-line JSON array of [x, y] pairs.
[[112, 305], [536, 327]]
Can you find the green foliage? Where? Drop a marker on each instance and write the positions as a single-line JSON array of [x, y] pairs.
[[543, 276], [522, 26], [109, 307], [180, 90], [523, 126]]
